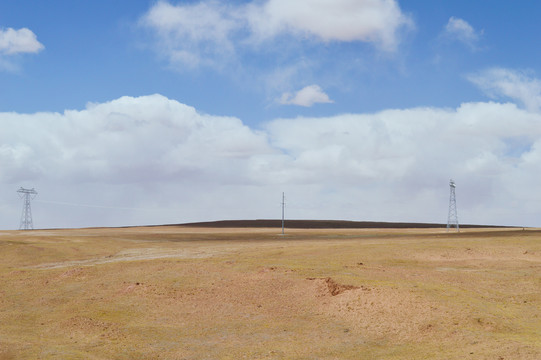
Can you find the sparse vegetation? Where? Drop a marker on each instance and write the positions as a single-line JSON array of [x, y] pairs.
[[219, 293]]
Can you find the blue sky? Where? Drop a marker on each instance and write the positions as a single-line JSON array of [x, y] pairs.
[[359, 109], [97, 51]]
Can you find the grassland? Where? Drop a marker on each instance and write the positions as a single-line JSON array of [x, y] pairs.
[[203, 293]]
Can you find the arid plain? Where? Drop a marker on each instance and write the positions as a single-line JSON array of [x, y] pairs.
[[177, 292]]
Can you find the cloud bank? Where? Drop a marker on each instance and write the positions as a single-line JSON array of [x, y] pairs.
[[153, 160]]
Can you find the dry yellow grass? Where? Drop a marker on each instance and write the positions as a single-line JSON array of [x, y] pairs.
[[194, 293]]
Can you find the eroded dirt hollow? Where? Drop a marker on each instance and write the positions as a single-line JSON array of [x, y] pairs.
[[194, 293]]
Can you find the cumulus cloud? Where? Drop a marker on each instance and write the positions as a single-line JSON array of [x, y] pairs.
[[150, 147], [193, 34], [152, 160], [120, 141], [307, 97], [375, 21], [517, 85], [18, 42], [397, 162], [14, 42], [460, 30], [211, 32]]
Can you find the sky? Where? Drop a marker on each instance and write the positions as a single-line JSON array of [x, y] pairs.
[[139, 112]]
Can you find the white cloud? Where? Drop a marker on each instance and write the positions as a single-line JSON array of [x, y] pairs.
[[462, 31], [395, 164], [211, 32], [151, 147], [194, 33], [14, 42], [152, 160], [517, 85], [18, 41], [375, 21], [307, 97]]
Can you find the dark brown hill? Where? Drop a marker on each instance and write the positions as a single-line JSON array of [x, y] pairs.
[[321, 224]]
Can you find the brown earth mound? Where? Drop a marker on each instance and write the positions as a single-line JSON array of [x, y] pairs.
[[332, 287]]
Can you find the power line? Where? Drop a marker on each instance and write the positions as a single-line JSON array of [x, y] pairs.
[[94, 206], [283, 211]]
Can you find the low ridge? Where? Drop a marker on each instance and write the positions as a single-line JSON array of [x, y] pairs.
[[321, 224]]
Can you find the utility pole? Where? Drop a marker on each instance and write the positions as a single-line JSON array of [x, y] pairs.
[[283, 211], [26, 217], [452, 219]]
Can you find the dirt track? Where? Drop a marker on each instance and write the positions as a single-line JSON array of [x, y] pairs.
[[195, 293]]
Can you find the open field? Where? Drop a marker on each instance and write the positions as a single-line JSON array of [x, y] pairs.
[[250, 293]]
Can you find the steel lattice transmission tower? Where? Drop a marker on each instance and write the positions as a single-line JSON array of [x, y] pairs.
[[26, 217], [452, 219]]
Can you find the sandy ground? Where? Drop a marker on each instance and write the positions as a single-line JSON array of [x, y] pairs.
[[203, 293]]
